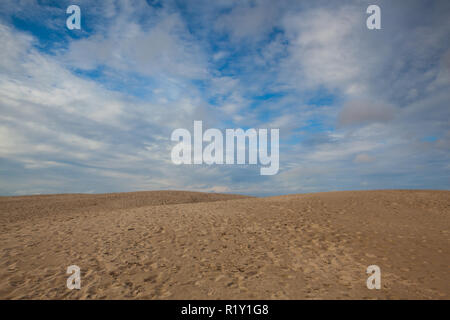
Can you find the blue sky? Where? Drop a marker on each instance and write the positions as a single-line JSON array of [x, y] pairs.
[[92, 110]]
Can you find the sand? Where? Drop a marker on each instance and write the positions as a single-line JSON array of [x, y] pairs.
[[184, 245]]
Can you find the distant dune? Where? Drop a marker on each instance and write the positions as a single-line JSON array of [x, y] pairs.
[[188, 245], [14, 208]]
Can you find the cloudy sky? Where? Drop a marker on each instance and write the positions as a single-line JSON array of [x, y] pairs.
[[92, 110]]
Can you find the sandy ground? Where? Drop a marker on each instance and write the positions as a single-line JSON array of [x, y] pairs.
[[182, 245]]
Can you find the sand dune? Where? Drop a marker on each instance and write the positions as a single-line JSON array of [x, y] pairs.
[[183, 245]]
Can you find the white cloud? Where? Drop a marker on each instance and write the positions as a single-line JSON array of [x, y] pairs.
[[249, 20], [163, 49], [322, 51]]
